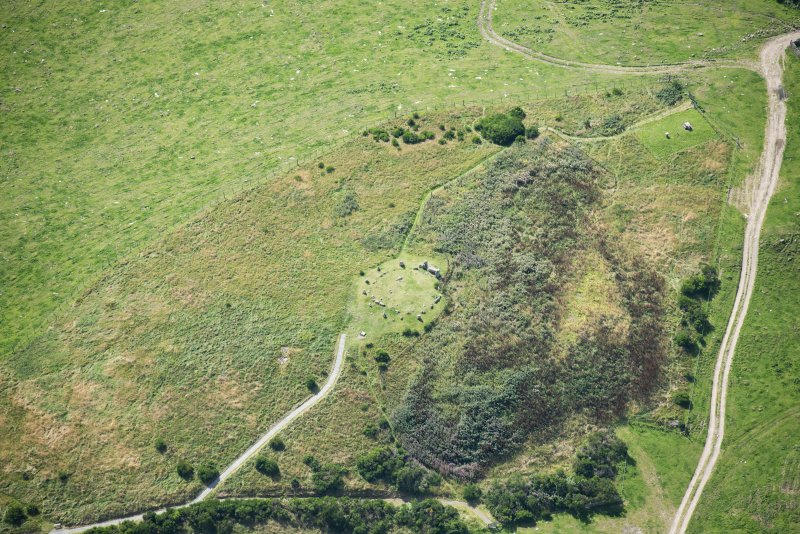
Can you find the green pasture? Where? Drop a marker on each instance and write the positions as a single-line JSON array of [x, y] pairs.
[[643, 33], [654, 135]]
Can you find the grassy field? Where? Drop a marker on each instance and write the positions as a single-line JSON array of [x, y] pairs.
[[642, 33], [206, 337], [145, 295], [653, 136], [755, 485], [154, 110]]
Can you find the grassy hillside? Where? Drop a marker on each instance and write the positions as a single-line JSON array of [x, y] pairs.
[[756, 482], [205, 338], [643, 33], [121, 121]]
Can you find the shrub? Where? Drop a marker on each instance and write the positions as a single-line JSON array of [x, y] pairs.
[[449, 135], [311, 384], [267, 466], [161, 445], [395, 143], [411, 138], [398, 132], [501, 129], [682, 399], [693, 314], [347, 205], [207, 473], [442, 141], [15, 515], [616, 91], [33, 510], [411, 122], [427, 135], [63, 476], [327, 478], [370, 430], [311, 462], [381, 463], [599, 455], [382, 357], [472, 493], [410, 332], [185, 470], [704, 284], [476, 139], [613, 125], [441, 127], [671, 93], [685, 340], [277, 444], [330, 168], [517, 112], [532, 132], [415, 115], [321, 165]]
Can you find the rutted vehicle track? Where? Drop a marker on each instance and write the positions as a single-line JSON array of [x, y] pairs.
[[488, 33]]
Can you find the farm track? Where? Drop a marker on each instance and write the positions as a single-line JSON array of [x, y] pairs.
[[488, 33], [768, 171]]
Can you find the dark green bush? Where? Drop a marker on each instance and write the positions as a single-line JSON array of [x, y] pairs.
[[703, 285], [694, 315], [15, 515], [381, 463], [312, 462], [32, 510], [685, 340], [267, 466], [277, 444], [330, 168], [671, 93], [532, 132], [327, 478], [185, 470], [161, 445], [517, 112], [599, 455], [382, 357], [311, 384], [410, 332], [321, 165], [501, 129], [449, 135], [207, 473], [682, 399], [472, 493]]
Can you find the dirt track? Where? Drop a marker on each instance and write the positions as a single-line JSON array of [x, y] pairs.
[[772, 56], [488, 33]]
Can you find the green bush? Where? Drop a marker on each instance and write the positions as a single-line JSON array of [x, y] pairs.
[[15, 515], [671, 93], [472, 493], [702, 285], [277, 444], [682, 399], [311, 462], [532, 132], [327, 478], [449, 135], [410, 332], [501, 129], [185, 470], [476, 139], [312, 386], [347, 205], [207, 473], [599, 455], [321, 165], [382, 357], [330, 168], [693, 314], [267, 466], [381, 463], [517, 112], [33, 510], [685, 340], [161, 445]]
